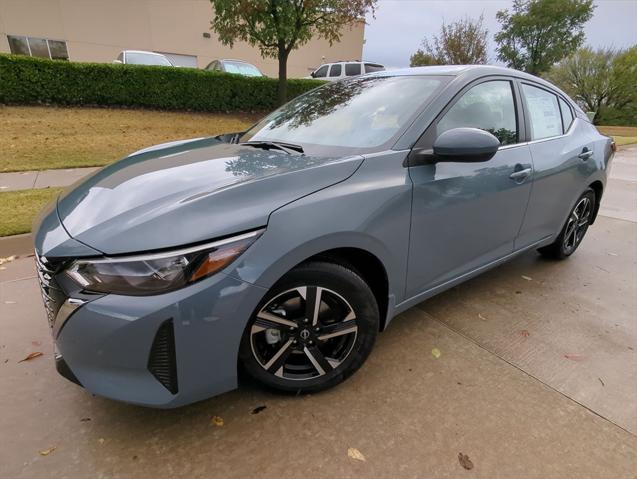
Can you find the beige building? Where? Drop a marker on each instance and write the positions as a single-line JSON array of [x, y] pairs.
[[97, 30]]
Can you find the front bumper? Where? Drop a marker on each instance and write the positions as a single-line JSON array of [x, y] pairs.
[[109, 345]]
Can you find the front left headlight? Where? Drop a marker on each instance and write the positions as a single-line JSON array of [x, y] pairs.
[[156, 273]]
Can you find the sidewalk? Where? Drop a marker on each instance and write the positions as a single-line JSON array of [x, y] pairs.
[[24, 180]]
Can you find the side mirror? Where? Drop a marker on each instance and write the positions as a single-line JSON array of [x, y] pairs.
[[465, 145], [313, 74], [118, 62]]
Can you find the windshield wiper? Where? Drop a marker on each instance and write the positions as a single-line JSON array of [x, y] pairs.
[[289, 148]]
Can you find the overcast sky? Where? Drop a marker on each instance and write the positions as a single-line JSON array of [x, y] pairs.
[[400, 25]]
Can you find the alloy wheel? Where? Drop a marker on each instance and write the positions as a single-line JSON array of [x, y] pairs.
[[577, 225], [303, 333]]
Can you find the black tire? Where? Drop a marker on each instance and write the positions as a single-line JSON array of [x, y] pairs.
[[340, 289], [569, 240]]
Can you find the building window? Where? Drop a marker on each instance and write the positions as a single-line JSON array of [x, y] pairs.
[[38, 47]]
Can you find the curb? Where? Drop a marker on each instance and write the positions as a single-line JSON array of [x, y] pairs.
[[18, 245]]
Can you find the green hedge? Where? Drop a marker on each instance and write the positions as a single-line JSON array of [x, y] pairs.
[[27, 80]]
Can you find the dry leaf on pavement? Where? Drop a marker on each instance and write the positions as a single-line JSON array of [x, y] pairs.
[[435, 352], [528, 278], [216, 421], [7, 259], [465, 461], [481, 317], [31, 356], [46, 452], [258, 409], [525, 333], [354, 453]]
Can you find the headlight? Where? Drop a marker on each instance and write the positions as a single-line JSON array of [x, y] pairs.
[[156, 273]]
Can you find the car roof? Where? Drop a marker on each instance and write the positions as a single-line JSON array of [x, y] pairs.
[[233, 60], [144, 51], [473, 72]]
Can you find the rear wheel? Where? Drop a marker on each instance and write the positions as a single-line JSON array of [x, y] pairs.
[[574, 230], [315, 328]]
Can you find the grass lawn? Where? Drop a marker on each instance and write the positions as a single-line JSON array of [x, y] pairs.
[[18, 209], [38, 138], [623, 135]]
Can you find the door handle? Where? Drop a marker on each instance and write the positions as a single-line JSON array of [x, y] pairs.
[[585, 154], [520, 175]]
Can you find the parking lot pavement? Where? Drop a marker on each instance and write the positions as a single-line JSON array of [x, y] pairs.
[[537, 378]]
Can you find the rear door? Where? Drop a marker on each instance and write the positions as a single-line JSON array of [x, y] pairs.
[[467, 215], [562, 151]]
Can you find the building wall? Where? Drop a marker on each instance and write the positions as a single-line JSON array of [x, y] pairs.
[[97, 30]]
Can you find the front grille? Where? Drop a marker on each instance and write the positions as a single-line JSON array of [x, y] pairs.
[[162, 362], [52, 295]]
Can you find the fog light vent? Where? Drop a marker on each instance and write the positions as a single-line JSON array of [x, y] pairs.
[[162, 362]]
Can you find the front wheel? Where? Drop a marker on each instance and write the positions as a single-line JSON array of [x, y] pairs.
[[575, 228], [314, 329]]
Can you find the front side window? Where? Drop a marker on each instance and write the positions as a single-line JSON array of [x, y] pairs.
[[488, 106], [544, 112], [138, 58], [567, 115], [373, 67], [321, 72], [352, 69], [335, 70], [359, 113]]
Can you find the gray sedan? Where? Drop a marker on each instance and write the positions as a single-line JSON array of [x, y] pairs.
[[285, 249]]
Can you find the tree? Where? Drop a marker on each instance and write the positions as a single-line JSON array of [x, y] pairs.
[[460, 43], [600, 81], [540, 33], [277, 27]]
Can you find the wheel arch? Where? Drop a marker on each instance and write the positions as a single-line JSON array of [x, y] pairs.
[[598, 188]]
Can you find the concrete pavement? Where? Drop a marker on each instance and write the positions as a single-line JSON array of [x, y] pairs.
[[24, 180], [537, 378]]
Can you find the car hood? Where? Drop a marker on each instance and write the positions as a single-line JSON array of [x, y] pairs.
[[190, 191]]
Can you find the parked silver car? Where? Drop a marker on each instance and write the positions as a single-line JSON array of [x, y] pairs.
[[340, 69], [285, 249]]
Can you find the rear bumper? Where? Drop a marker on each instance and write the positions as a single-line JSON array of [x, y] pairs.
[[110, 345]]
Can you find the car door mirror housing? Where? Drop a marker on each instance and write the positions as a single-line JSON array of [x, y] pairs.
[[465, 145]]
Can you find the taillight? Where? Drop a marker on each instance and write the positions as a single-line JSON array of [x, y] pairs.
[[613, 146]]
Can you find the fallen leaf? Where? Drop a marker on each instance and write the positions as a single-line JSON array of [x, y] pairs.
[[464, 461], [612, 254], [481, 317], [435, 352], [354, 453], [525, 333], [46, 452], [7, 259], [216, 421], [575, 357], [31, 356], [101, 440], [85, 419], [600, 380], [528, 278], [258, 409]]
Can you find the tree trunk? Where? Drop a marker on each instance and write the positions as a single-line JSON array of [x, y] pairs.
[[283, 76]]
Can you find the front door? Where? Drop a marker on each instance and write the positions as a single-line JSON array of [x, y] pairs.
[[467, 215]]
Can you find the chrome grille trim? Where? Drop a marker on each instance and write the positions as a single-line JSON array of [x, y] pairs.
[[52, 295]]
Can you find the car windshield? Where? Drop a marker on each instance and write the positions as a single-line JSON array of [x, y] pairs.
[[147, 59], [242, 69], [361, 113]]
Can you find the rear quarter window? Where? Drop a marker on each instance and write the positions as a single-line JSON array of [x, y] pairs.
[[544, 112]]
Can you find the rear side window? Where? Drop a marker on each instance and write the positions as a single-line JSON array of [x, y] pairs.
[[567, 115], [321, 72], [372, 67], [544, 112], [488, 106], [335, 70], [352, 69]]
